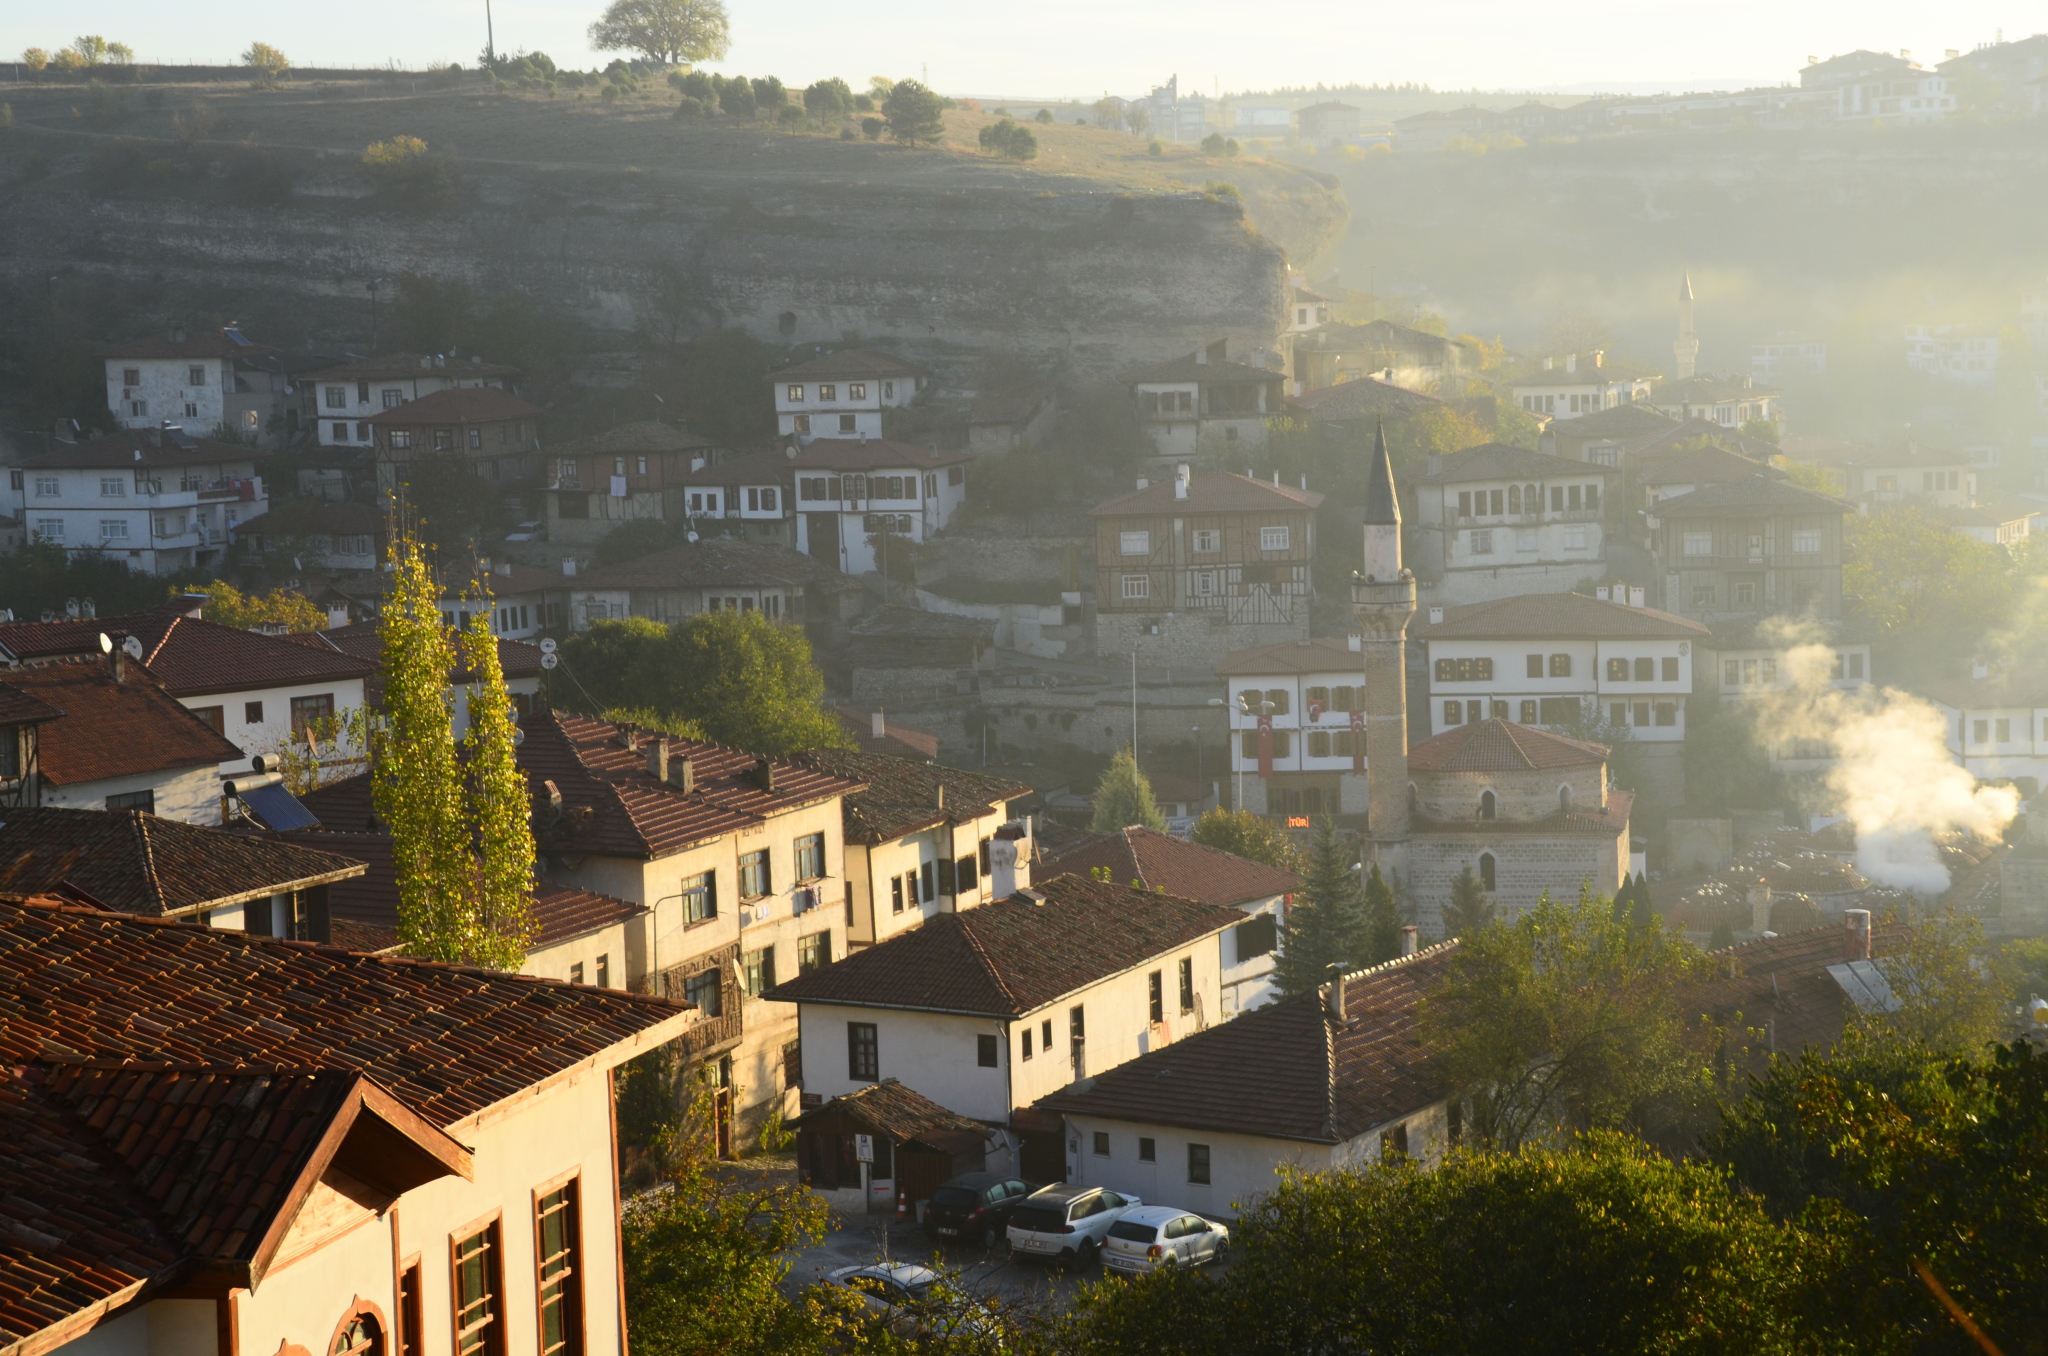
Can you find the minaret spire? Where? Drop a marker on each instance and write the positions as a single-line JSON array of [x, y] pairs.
[[1687, 346], [1382, 603]]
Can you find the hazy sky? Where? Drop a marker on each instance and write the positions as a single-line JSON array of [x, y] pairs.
[[1084, 47]]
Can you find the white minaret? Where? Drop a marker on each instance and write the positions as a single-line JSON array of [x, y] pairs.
[[1382, 602], [1687, 345]]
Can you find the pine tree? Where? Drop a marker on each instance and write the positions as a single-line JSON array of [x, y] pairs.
[[1124, 797], [1382, 922], [1641, 913], [499, 920], [1470, 909], [1328, 923]]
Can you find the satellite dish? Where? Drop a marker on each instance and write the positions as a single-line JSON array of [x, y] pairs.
[[132, 646], [547, 646], [106, 643]]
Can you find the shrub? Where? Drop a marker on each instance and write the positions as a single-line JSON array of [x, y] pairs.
[[689, 110], [266, 65], [1217, 144], [863, 103], [1043, 115], [769, 93], [403, 167], [736, 98], [1157, 147], [35, 58], [103, 106], [829, 98], [848, 134], [871, 128], [700, 86], [790, 118], [608, 92], [1218, 188], [1009, 140]]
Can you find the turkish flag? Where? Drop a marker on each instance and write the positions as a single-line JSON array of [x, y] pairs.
[[1358, 741], [1266, 746], [1315, 712]]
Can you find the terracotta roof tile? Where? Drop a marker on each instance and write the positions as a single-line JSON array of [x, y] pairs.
[[1501, 746], [901, 1114], [138, 863], [873, 454], [1780, 990], [850, 362], [1016, 954], [1210, 492], [458, 405], [900, 795], [1293, 656], [118, 450], [1286, 1070], [1737, 497], [112, 729], [898, 740], [1558, 616], [1158, 861], [189, 656]]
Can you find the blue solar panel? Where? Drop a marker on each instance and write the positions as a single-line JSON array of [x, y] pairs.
[[278, 808]]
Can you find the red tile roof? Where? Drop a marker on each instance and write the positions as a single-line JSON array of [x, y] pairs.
[[1608, 823], [1287, 1070], [450, 1041], [1009, 957], [1501, 746], [1210, 492], [898, 740], [117, 450], [114, 729], [903, 1115], [457, 405], [1157, 861], [1556, 616], [408, 366], [873, 454], [190, 657], [1779, 990], [849, 362], [900, 795], [1293, 656], [138, 863]]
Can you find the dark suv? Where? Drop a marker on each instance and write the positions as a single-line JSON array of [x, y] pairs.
[[974, 1205]]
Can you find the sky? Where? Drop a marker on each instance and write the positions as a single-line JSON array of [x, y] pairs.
[[1084, 48]]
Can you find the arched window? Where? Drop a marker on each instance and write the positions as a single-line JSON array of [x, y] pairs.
[[1531, 499], [1514, 499], [359, 1335], [1487, 805], [1486, 872], [1564, 800], [1414, 800]]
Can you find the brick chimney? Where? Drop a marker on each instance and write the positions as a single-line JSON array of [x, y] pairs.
[[1856, 934]]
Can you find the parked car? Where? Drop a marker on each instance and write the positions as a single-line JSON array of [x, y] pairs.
[[1157, 1236], [975, 1206], [891, 1292], [534, 531], [1066, 1223]]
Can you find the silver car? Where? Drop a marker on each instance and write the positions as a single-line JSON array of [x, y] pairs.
[[891, 1292], [1066, 1223], [1157, 1236]]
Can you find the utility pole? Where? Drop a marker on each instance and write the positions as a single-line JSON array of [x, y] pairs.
[[1134, 704], [490, 38]]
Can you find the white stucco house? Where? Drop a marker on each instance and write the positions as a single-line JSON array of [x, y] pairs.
[[843, 394], [853, 493]]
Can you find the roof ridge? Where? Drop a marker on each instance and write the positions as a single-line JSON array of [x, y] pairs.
[[1399, 961], [149, 871], [988, 964], [1137, 862]]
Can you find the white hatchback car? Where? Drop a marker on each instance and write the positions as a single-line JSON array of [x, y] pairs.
[[1067, 1223], [1158, 1236]]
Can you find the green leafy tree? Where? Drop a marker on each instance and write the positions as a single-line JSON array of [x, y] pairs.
[[736, 98], [665, 31], [1910, 574], [1952, 993], [1471, 908], [915, 114], [457, 507], [1251, 836], [743, 679], [1382, 919], [725, 387], [828, 99], [266, 64], [1606, 1248], [1328, 925], [498, 806], [230, 606], [1566, 1019], [1009, 140], [1124, 797]]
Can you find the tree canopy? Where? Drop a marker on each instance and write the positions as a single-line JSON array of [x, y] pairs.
[[1124, 797], [1252, 836], [667, 31], [915, 114], [230, 606], [1329, 923]]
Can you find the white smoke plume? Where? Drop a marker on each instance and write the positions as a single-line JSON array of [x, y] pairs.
[[1893, 777]]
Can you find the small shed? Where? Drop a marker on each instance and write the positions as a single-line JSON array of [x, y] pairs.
[[915, 1144]]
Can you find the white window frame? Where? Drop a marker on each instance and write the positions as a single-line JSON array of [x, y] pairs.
[[1208, 540], [113, 487], [1137, 587], [794, 394], [1699, 543], [1134, 543], [49, 487], [337, 397], [113, 529], [1205, 583], [1275, 538], [856, 390], [49, 529], [1806, 543]]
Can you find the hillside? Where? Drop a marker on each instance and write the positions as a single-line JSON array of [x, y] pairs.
[[1095, 248]]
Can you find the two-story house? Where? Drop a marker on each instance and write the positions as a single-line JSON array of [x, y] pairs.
[[303, 534], [1996, 724], [1730, 402], [1572, 389], [1788, 354], [630, 472], [200, 381], [156, 499], [1863, 85], [1204, 562], [1297, 719], [750, 497], [1965, 354], [1158, 861], [852, 495], [346, 395], [1757, 658], [1749, 549], [1566, 659], [987, 1010], [720, 574], [1681, 473], [922, 840], [1905, 472], [843, 394], [739, 860], [1206, 403], [385, 1178], [1495, 521], [1605, 438], [494, 431], [1414, 360]]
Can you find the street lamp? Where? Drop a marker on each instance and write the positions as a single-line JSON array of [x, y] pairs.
[[1245, 707]]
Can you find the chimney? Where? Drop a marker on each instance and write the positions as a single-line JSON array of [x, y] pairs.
[[939, 796], [1635, 596], [1599, 357], [682, 775], [657, 759], [1408, 940], [1202, 357], [1571, 362], [1181, 480], [1547, 363], [119, 659], [1856, 934], [1355, 642], [630, 736], [502, 568], [440, 360], [569, 567], [1760, 906], [764, 774], [1276, 479], [878, 728], [1436, 615], [1980, 669], [1333, 998], [554, 798], [1602, 593], [1144, 484]]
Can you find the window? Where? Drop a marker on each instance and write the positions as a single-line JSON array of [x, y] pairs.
[[1256, 937], [1856, 666], [813, 952], [252, 713], [803, 423], [985, 1051], [1646, 670], [561, 1285], [604, 972], [213, 717], [138, 408], [337, 397], [1702, 595], [1134, 543], [1534, 665], [795, 393], [768, 500], [963, 875], [1528, 716], [476, 437], [863, 1055], [1743, 593], [703, 990], [113, 529], [1617, 670], [1155, 997], [359, 1336], [1560, 666], [131, 376], [50, 529], [1489, 805], [1465, 504], [306, 710], [896, 892], [1279, 697], [810, 857], [856, 390], [930, 881], [1486, 870], [1592, 497], [1198, 1164], [400, 439], [2002, 731], [700, 897], [144, 801], [846, 423], [757, 971], [1667, 713], [1137, 586], [754, 879], [479, 1281], [1454, 713], [47, 487], [1806, 543], [1699, 543], [1208, 541], [1978, 732], [828, 391], [411, 1337], [1045, 1035], [1273, 538], [113, 487], [1670, 669], [1319, 744], [1027, 1042], [1102, 1143], [1482, 541], [1187, 984], [1642, 716], [1464, 670]]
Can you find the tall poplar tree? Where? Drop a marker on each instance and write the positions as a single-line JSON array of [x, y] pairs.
[[499, 919]]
